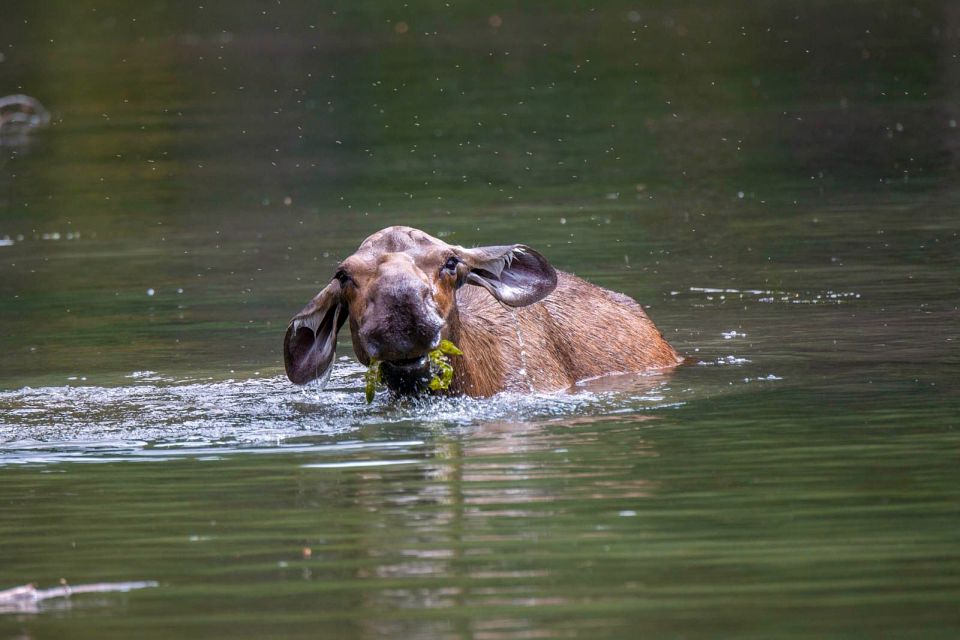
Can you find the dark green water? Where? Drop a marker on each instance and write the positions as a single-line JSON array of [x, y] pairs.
[[777, 180]]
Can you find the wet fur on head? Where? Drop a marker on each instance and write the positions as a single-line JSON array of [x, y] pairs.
[[399, 292]]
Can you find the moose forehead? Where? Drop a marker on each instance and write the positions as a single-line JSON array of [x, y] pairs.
[[397, 243], [400, 239]]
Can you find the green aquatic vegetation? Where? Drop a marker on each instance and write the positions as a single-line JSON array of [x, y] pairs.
[[373, 378], [441, 370], [440, 365]]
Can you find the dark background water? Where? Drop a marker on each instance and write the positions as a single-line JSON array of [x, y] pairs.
[[777, 181]]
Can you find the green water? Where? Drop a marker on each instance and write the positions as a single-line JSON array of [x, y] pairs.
[[777, 181]]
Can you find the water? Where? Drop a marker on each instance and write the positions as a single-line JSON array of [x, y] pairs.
[[777, 182]]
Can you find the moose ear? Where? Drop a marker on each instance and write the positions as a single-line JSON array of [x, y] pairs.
[[516, 275], [311, 339]]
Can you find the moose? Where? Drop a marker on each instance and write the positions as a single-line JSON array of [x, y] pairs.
[[521, 325]]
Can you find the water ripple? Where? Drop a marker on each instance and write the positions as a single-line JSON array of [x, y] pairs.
[[157, 419]]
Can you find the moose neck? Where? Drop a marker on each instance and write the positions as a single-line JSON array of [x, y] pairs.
[[480, 371]]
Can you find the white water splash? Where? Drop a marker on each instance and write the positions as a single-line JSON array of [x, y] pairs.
[[722, 294], [156, 419]]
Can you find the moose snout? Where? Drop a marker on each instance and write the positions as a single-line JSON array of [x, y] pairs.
[[400, 326]]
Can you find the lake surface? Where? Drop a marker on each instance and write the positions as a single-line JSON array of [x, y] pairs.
[[776, 181]]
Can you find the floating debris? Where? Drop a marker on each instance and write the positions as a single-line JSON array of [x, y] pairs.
[[19, 114], [24, 599]]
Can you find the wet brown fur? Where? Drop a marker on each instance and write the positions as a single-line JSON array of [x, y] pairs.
[[578, 331]]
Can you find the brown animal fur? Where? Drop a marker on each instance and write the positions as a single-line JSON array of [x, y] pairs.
[[577, 332], [527, 327]]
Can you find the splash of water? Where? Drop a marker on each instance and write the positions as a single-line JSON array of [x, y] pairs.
[[155, 418]]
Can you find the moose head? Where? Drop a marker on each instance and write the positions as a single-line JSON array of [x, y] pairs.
[[399, 292]]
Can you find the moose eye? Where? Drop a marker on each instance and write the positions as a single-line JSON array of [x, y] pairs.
[[342, 277], [451, 264]]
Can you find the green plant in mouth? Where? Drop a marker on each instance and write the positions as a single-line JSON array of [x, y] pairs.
[[373, 378], [440, 369], [440, 365]]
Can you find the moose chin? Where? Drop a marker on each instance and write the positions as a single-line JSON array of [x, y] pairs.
[[521, 324]]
